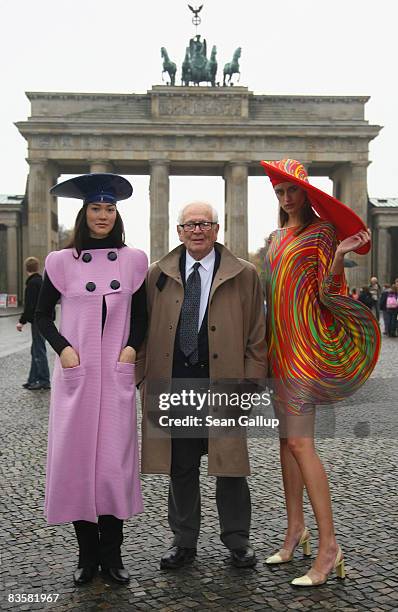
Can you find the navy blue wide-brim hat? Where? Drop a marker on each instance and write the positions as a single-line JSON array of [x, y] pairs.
[[95, 187]]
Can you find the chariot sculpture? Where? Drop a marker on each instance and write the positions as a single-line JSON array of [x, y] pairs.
[[197, 67]]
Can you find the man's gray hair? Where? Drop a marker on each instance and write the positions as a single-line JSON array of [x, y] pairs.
[[214, 212]]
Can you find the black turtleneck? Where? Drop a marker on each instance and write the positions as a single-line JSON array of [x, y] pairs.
[[49, 296]]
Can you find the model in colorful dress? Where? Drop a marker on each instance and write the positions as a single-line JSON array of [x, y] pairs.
[[322, 346]]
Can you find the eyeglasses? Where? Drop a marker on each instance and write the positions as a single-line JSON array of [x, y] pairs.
[[204, 226]]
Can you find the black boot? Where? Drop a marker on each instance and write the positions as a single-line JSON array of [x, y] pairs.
[[110, 542], [88, 540], [83, 575]]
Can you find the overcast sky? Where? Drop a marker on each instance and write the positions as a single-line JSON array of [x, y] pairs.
[[334, 47]]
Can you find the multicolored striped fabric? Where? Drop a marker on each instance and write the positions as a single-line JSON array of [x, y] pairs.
[[322, 344]]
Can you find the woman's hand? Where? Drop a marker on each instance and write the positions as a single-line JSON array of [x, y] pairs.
[[69, 358], [353, 242], [128, 355], [348, 244]]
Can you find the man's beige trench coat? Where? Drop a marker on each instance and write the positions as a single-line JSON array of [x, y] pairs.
[[237, 350]]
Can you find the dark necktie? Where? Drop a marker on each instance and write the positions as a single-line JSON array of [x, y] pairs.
[[189, 320]]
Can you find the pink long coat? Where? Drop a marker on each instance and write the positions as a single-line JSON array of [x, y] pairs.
[[92, 463]]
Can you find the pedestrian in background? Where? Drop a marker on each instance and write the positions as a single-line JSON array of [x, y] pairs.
[[375, 291], [366, 297], [383, 307], [39, 375], [392, 309], [354, 293]]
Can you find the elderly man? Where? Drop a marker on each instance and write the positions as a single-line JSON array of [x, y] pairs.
[[206, 323]]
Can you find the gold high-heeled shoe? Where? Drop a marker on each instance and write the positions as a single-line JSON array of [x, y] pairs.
[[306, 581], [304, 541]]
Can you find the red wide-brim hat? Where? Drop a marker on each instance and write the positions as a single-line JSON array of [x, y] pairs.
[[344, 219]]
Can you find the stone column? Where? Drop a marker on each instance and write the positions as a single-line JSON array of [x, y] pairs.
[[54, 222], [350, 186], [236, 225], [12, 259], [3, 258], [99, 165], [359, 203], [383, 245], [42, 176], [159, 191]]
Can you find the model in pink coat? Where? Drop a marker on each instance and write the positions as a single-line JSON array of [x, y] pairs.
[[92, 463]]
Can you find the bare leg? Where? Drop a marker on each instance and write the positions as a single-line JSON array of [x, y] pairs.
[[293, 485], [300, 443]]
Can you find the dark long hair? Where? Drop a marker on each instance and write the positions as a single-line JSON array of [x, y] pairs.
[[81, 233], [307, 217]]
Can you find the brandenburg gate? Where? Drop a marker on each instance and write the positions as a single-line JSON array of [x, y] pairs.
[[177, 130]]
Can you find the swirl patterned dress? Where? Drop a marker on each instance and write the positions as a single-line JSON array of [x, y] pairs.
[[322, 344]]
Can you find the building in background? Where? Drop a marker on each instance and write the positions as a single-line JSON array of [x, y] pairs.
[[12, 223], [383, 217]]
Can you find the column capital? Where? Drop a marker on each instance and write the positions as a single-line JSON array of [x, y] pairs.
[[233, 165], [100, 165], [159, 162], [236, 162], [48, 164], [383, 225], [360, 164], [32, 161]]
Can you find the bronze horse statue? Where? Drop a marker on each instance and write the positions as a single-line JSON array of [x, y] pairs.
[[212, 66], [232, 67], [186, 75], [168, 66]]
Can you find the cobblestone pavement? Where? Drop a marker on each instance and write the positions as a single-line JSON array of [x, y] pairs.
[[11, 339], [360, 460]]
